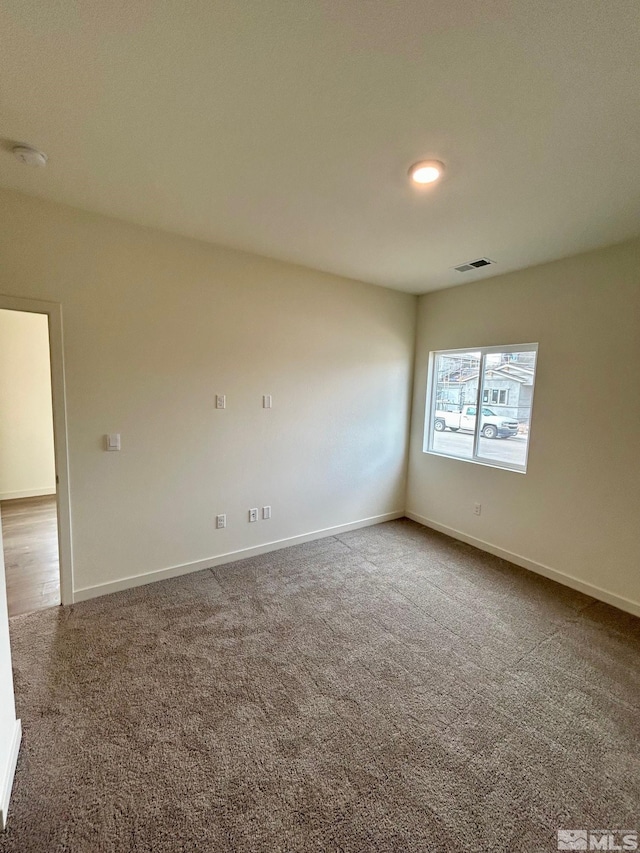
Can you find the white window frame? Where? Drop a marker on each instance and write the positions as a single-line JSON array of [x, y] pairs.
[[429, 420]]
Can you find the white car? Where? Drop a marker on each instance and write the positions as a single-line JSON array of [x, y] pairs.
[[493, 426]]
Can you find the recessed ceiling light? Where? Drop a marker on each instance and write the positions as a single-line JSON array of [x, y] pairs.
[[426, 172], [30, 156]]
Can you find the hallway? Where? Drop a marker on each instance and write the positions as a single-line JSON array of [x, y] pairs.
[[30, 536]]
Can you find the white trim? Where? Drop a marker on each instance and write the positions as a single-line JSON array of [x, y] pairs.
[[618, 601], [530, 347], [27, 493], [230, 557], [7, 776], [503, 466], [54, 312]]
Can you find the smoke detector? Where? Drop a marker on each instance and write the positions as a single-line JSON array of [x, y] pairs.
[[30, 156]]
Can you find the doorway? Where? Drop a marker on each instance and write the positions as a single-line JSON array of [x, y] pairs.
[[34, 497], [27, 464]]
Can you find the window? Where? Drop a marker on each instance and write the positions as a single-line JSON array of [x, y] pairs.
[[497, 380], [495, 395]]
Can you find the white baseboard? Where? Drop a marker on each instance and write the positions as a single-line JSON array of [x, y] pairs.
[[27, 493], [9, 772], [618, 601], [230, 557]]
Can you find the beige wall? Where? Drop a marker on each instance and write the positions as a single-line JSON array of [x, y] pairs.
[[577, 509], [155, 326], [26, 424]]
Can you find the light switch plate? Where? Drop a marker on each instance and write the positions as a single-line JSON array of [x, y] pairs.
[[112, 441]]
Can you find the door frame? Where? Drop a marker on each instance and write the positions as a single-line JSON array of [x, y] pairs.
[[53, 310]]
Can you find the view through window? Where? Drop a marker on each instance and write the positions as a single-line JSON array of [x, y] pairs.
[[479, 404]]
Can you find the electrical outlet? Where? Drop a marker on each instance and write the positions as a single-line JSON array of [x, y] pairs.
[[253, 514], [221, 521], [221, 401], [266, 513], [477, 509]]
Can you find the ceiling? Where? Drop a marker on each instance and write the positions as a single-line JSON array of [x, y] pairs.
[[287, 127]]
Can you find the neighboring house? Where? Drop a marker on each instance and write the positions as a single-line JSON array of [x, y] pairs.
[[507, 388]]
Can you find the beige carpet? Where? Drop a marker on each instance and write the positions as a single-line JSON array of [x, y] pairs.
[[384, 690]]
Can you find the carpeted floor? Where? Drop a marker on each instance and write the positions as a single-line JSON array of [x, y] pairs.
[[388, 689]]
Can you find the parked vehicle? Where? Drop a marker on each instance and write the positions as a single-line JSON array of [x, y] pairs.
[[493, 425]]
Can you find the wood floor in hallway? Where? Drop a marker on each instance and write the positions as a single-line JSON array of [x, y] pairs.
[[30, 536]]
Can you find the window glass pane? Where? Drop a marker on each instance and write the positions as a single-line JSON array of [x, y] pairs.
[[454, 403], [504, 426]]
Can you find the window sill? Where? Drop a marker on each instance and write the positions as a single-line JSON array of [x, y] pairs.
[[502, 466]]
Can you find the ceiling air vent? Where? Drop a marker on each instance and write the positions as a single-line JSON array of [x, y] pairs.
[[474, 265]]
